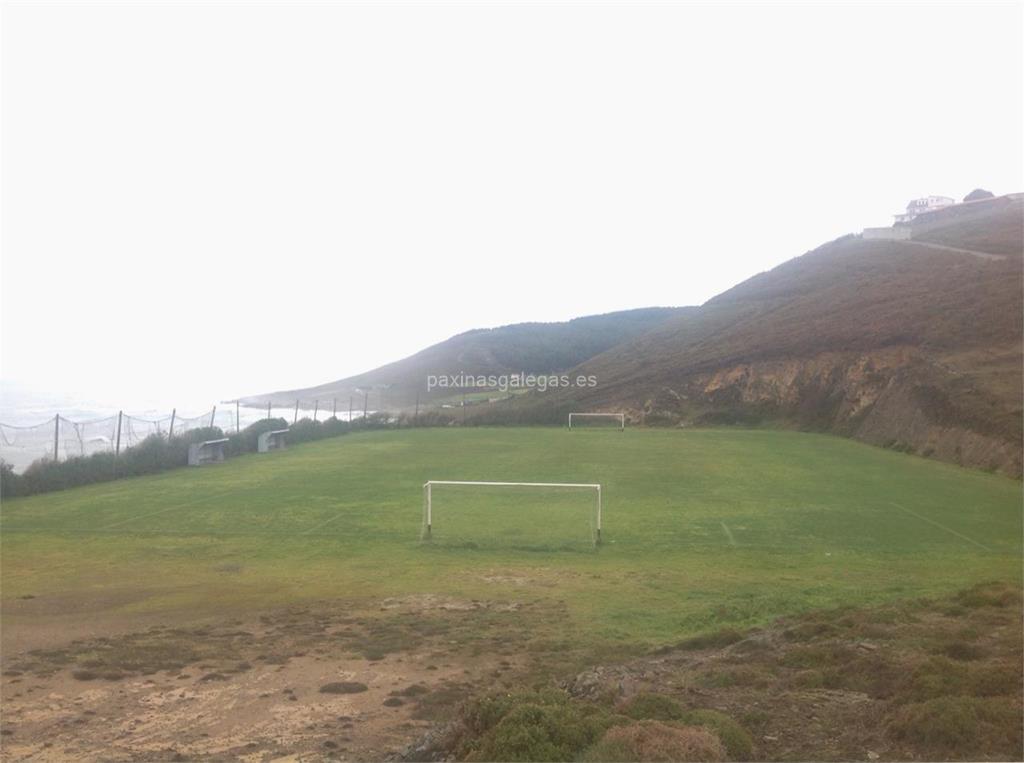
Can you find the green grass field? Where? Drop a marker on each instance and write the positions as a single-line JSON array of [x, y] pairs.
[[702, 529]]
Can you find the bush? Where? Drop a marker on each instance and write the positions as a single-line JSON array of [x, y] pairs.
[[935, 677], [961, 727], [247, 440], [428, 418], [653, 707], [963, 651], [307, 430], [737, 742], [10, 483], [979, 193], [995, 680], [656, 741], [532, 726], [657, 707]]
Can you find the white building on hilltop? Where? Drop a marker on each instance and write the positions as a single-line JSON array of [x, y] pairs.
[[921, 206]]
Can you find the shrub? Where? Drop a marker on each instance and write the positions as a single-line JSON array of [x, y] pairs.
[[978, 194], [247, 440], [307, 430], [656, 741], [343, 687], [427, 418], [961, 727], [737, 742], [963, 651], [531, 726], [653, 707], [10, 483], [996, 680], [936, 677]]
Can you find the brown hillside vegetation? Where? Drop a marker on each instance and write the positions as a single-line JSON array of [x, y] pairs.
[[912, 680], [532, 347], [914, 345], [891, 342], [989, 225]]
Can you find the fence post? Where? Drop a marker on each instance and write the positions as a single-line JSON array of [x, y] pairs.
[[416, 416], [117, 445], [238, 421], [170, 432], [56, 437], [335, 413], [316, 409], [350, 409], [213, 416], [268, 409], [295, 418], [366, 402]]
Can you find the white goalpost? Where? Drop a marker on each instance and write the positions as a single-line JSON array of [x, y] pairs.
[[428, 502], [621, 417]]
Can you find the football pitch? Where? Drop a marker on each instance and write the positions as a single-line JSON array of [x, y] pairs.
[[702, 529]]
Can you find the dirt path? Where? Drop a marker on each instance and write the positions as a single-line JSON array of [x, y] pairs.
[[955, 250]]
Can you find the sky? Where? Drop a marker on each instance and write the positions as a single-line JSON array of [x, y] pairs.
[[202, 201]]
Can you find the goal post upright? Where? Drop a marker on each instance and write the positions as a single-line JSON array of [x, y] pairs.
[[616, 415], [426, 492], [428, 497]]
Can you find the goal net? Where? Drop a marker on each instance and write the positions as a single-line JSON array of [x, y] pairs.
[[605, 420], [525, 516]]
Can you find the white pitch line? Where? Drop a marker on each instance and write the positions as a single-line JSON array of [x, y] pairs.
[[941, 527], [339, 515], [161, 511], [728, 533]]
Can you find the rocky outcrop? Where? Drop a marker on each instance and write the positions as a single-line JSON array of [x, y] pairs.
[[897, 398]]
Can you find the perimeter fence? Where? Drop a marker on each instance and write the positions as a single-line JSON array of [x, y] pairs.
[[60, 437]]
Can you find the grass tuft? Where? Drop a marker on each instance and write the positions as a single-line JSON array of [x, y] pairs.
[[343, 687], [992, 594]]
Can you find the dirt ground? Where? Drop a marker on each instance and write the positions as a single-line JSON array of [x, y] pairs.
[[304, 683], [914, 680]]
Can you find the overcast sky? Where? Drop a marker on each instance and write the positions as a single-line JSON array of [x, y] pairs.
[[205, 201]]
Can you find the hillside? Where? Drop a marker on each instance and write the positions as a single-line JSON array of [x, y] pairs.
[[896, 343], [532, 347]]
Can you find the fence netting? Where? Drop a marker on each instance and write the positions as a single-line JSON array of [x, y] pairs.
[[63, 438]]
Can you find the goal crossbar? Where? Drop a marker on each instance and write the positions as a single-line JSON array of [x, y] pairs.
[[620, 416], [584, 485]]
